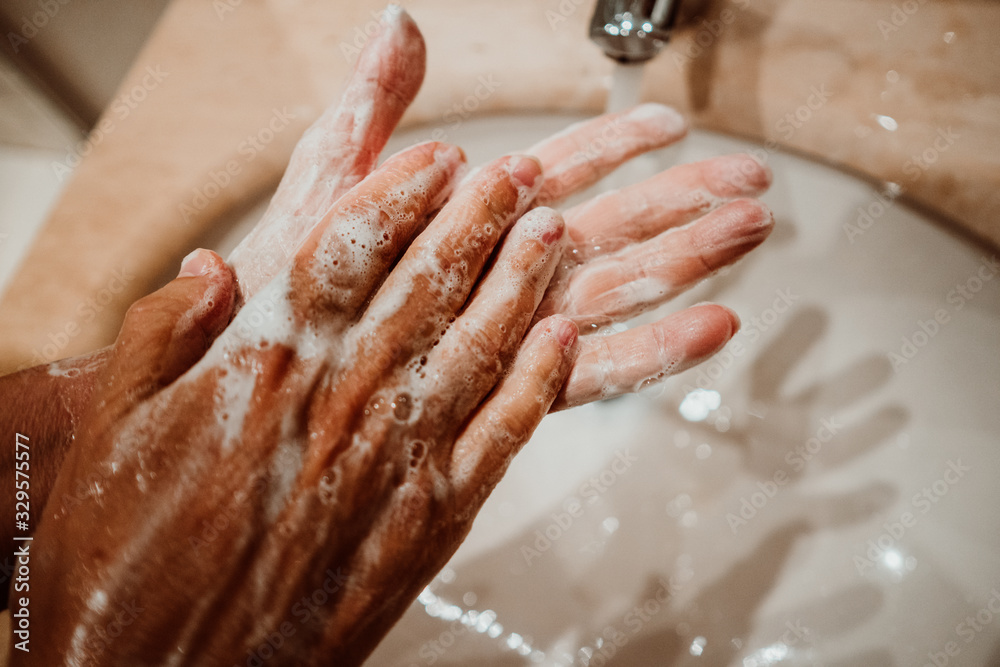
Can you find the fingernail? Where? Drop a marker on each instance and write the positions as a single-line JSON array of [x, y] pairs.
[[450, 153], [734, 319], [550, 223], [553, 235], [740, 174], [197, 263], [527, 171], [734, 230], [567, 333]]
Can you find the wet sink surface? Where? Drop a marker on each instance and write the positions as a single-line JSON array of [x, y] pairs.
[[823, 492]]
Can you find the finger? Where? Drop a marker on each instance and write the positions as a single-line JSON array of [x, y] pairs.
[[506, 420], [670, 199], [436, 275], [344, 259], [582, 154], [165, 333], [427, 287], [641, 277], [478, 347], [608, 366], [339, 150]]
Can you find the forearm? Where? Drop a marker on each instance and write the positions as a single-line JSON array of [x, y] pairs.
[[39, 407]]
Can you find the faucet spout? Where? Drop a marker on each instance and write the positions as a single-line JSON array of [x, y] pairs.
[[633, 31]]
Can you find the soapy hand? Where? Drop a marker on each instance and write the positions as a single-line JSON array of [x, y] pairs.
[[349, 426], [316, 419], [630, 250]]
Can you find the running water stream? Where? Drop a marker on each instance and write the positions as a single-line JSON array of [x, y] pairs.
[[626, 81], [623, 93]]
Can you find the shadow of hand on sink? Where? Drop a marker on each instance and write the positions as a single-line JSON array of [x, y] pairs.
[[582, 588], [779, 434], [716, 622]]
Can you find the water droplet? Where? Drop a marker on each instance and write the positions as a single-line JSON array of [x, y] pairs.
[[888, 122], [418, 449], [402, 407]]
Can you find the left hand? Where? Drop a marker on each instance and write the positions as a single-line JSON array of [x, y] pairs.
[[307, 475]]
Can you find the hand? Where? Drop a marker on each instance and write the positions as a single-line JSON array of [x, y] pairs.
[[46, 402], [343, 146], [635, 248], [640, 263], [349, 438]]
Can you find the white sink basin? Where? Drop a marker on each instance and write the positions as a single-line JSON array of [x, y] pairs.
[[823, 503]]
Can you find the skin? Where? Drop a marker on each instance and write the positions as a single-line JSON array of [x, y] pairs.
[[369, 429], [692, 223]]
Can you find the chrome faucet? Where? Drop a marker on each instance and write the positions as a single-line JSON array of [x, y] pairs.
[[633, 31]]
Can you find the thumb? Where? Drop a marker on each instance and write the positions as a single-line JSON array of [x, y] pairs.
[[168, 331]]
